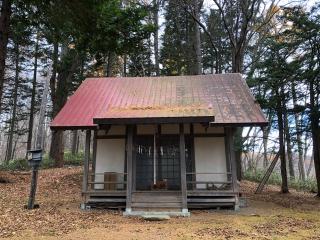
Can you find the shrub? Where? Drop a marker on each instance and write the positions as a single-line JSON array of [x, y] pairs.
[[15, 164], [73, 159], [22, 164], [275, 179]]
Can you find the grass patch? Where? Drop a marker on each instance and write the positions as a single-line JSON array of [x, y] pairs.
[[309, 185]]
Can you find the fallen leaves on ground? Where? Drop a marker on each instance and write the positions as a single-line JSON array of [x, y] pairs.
[[270, 215], [295, 199]]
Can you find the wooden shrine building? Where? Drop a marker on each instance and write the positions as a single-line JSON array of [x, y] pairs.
[[160, 143]]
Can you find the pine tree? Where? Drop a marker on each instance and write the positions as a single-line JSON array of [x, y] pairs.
[[174, 55]]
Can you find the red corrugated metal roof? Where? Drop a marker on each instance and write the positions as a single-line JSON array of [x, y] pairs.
[[110, 100]]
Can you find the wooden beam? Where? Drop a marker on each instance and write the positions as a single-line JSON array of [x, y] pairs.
[[183, 168], [129, 149], [154, 120], [86, 164]]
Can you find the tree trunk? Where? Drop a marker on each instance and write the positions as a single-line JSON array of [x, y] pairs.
[[33, 96], [310, 165], [56, 149], [315, 131], [237, 59], [302, 171], [124, 74], [282, 150], [41, 131], [57, 144], [236, 68], [156, 36], [53, 77], [9, 152], [149, 66], [288, 142], [197, 41], [265, 136], [110, 63], [64, 79], [4, 32], [74, 142]]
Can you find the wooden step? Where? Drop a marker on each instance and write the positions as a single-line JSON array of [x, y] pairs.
[[107, 200], [211, 200], [156, 200], [160, 199], [156, 197], [208, 202], [157, 193], [155, 205]]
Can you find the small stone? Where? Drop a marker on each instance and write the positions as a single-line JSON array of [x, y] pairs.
[[155, 217]]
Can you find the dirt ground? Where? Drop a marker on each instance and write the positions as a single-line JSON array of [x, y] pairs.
[[270, 215]]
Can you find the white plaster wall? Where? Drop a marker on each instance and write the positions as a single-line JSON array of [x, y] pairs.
[[110, 158], [210, 157]]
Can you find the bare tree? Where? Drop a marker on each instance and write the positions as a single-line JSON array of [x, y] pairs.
[[33, 95], [9, 152]]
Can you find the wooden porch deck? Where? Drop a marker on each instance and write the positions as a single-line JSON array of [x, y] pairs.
[[166, 200]]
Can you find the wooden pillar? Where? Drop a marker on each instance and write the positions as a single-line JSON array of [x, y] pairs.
[[129, 149], [193, 158], [231, 154], [227, 152], [94, 152], [86, 167], [134, 160], [183, 169]]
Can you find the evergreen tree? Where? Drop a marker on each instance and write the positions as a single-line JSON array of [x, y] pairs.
[[175, 41]]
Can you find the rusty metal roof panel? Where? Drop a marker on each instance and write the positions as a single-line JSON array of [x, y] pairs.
[[224, 98]]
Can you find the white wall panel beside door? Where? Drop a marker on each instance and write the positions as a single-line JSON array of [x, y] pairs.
[[110, 158], [210, 157]]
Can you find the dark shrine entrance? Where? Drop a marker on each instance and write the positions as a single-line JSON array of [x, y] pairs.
[[158, 162]]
